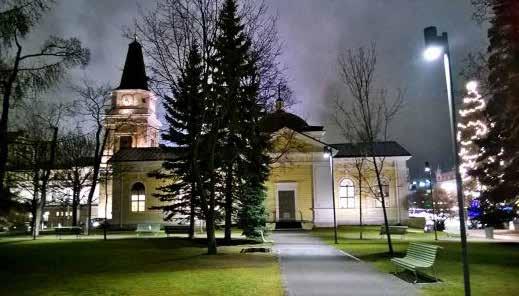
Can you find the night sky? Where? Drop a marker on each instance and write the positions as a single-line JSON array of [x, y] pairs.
[[313, 32]]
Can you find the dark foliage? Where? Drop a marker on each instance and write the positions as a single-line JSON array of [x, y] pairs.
[[236, 86], [499, 169], [185, 121]]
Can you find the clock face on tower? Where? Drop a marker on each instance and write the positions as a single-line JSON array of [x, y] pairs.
[[127, 100]]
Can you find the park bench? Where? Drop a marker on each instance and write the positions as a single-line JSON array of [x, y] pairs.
[[398, 230], [264, 240], [68, 230], [452, 231], [419, 256], [172, 229], [148, 229]]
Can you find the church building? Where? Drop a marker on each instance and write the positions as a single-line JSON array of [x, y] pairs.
[[300, 186]]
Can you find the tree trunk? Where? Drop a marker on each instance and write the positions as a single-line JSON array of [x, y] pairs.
[[386, 222], [76, 192], [228, 205], [210, 230], [360, 204], [34, 204], [100, 147], [192, 212], [75, 204], [105, 223], [46, 175], [4, 119], [37, 221]]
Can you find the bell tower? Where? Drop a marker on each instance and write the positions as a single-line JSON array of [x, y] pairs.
[[131, 119]]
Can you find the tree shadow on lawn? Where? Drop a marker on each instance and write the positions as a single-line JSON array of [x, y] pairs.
[[42, 265], [95, 256]]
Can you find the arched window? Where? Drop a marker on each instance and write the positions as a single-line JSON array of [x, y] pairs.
[[385, 190], [138, 197], [125, 142], [346, 194]]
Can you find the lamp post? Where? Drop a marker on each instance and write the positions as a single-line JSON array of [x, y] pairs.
[[328, 153], [427, 169], [436, 46]]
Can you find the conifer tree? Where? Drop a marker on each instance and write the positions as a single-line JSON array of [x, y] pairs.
[[500, 174], [236, 84], [184, 117], [253, 174]]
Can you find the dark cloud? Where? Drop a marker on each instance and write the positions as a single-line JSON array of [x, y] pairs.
[[313, 32]]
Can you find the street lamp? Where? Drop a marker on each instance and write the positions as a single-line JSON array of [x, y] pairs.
[[435, 46], [427, 169], [328, 153]]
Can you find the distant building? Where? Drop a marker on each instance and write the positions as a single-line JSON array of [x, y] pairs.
[[446, 181]]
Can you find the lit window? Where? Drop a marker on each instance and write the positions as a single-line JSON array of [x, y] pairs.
[[138, 198], [378, 198], [346, 194]]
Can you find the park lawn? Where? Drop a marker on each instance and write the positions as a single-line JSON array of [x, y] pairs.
[[139, 266], [493, 266]]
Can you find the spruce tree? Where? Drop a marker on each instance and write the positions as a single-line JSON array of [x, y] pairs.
[[499, 173], [253, 174], [184, 117], [237, 88]]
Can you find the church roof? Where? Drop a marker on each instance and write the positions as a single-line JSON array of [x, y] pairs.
[[134, 72], [280, 119], [389, 148], [142, 154]]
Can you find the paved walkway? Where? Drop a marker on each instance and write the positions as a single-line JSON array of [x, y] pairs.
[[311, 267]]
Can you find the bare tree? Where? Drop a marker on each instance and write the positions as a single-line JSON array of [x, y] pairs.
[[367, 115], [39, 122], [75, 167], [168, 31], [167, 34], [92, 102], [20, 70]]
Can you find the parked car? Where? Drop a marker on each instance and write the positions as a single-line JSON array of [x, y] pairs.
[[97, 223]]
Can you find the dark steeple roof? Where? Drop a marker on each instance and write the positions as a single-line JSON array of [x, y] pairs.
[[143, 154], [388, 148], [280, 119], [134, 73]]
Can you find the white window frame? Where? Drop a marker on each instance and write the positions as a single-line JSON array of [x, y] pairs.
[[137, 201], [346, 195]]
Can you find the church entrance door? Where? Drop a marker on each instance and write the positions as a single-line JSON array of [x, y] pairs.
[[287, 205]]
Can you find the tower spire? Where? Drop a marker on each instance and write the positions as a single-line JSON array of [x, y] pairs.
[[279, 101], [134, 72]]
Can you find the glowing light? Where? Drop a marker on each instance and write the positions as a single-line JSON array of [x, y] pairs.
[[472, 86], [432, 53], [448, 186], [471, 128]]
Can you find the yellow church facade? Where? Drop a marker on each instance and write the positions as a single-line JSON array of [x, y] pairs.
[[299, 188]]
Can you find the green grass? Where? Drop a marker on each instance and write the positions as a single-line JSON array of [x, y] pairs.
[[493, 266], [139, 266]]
